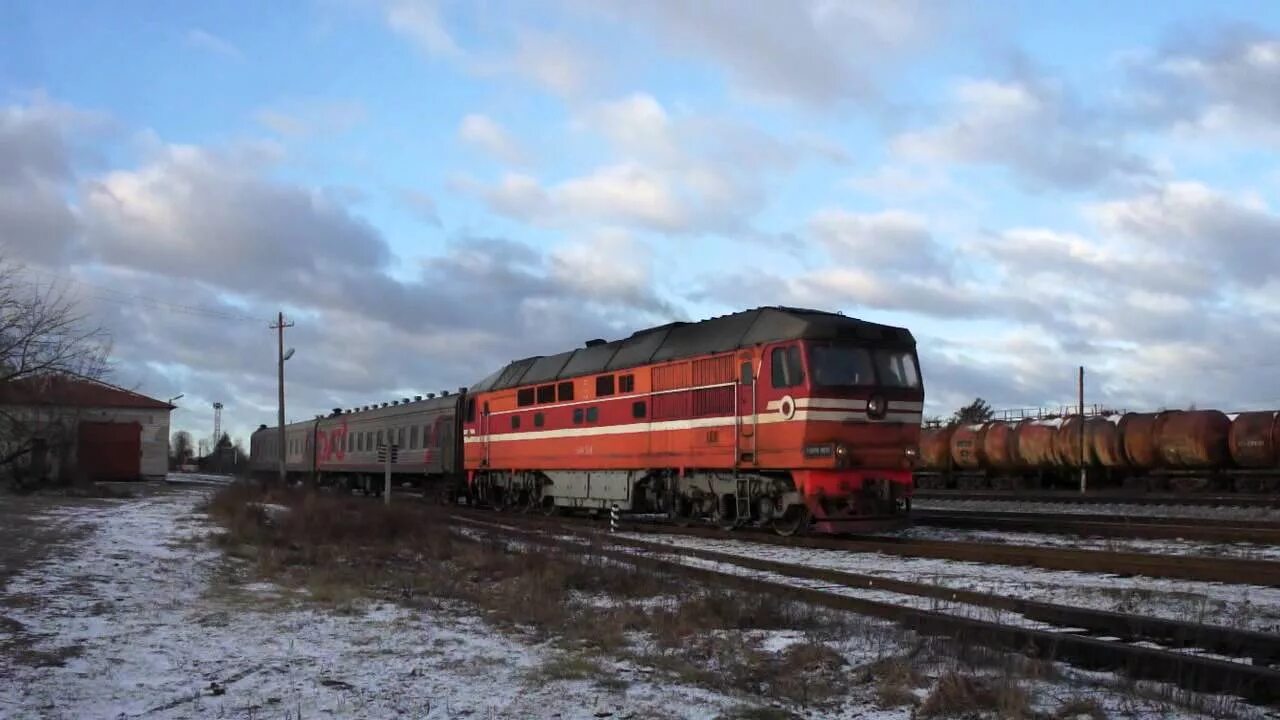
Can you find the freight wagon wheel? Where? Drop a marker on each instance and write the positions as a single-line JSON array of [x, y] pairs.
[[796, 520]]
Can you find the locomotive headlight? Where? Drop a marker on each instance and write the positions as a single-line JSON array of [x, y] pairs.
[[911, 453], [841, 450], [875, 406]]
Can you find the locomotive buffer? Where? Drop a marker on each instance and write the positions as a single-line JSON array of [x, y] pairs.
[[387, 454]]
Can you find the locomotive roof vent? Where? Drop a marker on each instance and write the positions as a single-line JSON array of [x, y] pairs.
[[337, 411], [431, 396], [595, 342], [417, 398], [393, 402], [404, 400], [462, 389], [444, 393], [384, 404], [262, 426]]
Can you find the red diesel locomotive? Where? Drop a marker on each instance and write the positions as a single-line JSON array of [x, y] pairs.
[[774, 417]]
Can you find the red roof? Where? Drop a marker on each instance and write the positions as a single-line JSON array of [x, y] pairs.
[[75, 391]]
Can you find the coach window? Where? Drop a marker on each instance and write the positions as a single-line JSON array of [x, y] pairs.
[[637, 409], [413, 438], [380, 443], [626, 383], [524, 397], [604, 386], [515, 422], [577, 416], [546, 394], [564, 391], [593, 415], [400, 437], [538, 420]]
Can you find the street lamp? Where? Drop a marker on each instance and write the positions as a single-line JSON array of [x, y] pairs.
[[171, 400]]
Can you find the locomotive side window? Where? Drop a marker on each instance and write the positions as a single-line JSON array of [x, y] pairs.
[[786, 371], [564, 391], [546, 394], [626, 383], [577, 416], [515, 422], [471, 411], [524, 397], [637, 409], [593, 415], [538, 419], [604, 386], [747, 377]]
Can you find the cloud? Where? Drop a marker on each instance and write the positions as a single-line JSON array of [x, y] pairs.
[[1222, 82], [207, 41], [675, 174], [817, 52], [483, 132], [889, 240], [37, 224], [1239, 241], [421, 22], [552, 63], [422, 205], [1028, 126], [301, 119]]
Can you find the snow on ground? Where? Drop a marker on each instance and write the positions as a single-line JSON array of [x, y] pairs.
[[140, 613], [1245, 606], [1102, 510], [1252, 551]]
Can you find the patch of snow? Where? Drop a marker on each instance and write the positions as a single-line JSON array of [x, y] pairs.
[[146, 631]]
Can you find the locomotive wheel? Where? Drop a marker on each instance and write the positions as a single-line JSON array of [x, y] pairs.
[[549, 506], [794, 521]]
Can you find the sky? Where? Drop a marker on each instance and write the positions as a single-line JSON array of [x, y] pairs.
[[430, 189]]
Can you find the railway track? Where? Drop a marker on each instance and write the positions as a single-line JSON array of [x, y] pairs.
[[1125, 564], [1123, 526], [1091, 639], [1104, 497]]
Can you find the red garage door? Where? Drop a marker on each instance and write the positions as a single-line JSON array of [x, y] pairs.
[[110, 451]]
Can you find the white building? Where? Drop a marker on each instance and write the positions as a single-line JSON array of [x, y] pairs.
[[73, 428]]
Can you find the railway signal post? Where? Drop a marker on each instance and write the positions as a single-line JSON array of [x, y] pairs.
[[387, 455]]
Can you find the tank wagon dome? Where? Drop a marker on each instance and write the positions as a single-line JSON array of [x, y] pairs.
[[678, 340]]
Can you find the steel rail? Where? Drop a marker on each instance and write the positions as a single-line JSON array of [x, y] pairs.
[[1124, 526], [1256, 683]]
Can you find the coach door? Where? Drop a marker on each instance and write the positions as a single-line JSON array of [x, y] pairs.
[[745, 390]]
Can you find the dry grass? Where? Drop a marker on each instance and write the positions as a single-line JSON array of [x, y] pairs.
[[960, 695], [1079, 708]]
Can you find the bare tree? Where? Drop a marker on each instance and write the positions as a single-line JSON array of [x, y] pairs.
[[43, 336], [181, 448]]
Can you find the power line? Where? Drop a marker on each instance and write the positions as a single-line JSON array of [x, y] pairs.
[[125, 298]]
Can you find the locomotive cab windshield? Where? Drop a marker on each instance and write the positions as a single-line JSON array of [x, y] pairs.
[[846, 365]]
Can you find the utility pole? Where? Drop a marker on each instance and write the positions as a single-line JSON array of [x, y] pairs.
[[1084, 470], [279, 328]]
